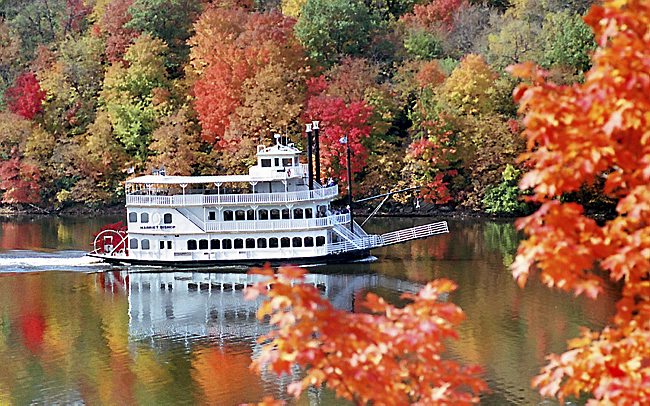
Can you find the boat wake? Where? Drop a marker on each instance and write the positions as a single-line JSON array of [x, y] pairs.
[[33, 261]]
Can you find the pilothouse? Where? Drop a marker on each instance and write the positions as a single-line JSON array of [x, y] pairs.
[[276, 213]]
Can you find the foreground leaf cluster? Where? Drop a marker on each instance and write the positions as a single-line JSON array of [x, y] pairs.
[[388, 356], [595, 134]]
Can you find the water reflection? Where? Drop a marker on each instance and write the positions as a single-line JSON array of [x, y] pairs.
[[188, 337]]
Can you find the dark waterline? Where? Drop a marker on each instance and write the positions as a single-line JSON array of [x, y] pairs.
[[72, 330]]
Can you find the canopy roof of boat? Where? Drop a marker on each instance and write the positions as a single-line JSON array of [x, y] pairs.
[[186, 180]]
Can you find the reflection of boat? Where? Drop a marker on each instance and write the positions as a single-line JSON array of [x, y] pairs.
[[193, 304], [277, 213]]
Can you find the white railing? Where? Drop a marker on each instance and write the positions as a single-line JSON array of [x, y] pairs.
[[272, 225], [365, 243], [413, 233], [219, 199]]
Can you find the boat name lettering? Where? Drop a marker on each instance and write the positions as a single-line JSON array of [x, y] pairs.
[[166, 227]]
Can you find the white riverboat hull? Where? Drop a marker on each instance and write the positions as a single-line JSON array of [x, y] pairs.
[[334, 258]]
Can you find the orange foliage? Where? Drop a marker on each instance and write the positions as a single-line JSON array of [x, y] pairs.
[[576, 136], [391, 356]]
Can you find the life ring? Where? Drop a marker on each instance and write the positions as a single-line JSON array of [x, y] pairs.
[[288, 173]]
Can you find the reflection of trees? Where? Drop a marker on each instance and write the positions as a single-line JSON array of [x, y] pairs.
[[508, 330], [67, 333], [50, 232]]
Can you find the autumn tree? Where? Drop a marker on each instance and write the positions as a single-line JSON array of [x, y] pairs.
[[169, 20], [25, 97], [72, 82], [594, 133], [137, 95], [339, 120], [332, 29], [175, 145], [113, 25], [237, 58], [389, 355]]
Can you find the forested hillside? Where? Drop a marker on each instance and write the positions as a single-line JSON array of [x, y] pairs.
[[93, 90]]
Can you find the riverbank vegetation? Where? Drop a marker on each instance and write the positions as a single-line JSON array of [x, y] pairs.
[[95, 90]]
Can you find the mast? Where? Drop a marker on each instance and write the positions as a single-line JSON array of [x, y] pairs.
[[317, 152], [310, 160]]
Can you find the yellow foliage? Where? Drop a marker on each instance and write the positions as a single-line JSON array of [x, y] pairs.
[[469, 89], [292, 8]]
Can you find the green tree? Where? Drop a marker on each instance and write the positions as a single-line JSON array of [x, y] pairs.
[[137, 95], [169, 20], [331, 29], [72, 83], [566, 41]]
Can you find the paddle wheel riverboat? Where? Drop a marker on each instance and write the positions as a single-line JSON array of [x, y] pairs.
[[279, 215]]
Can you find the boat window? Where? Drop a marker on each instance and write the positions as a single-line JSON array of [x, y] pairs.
[[297, 213], [144, 217], [133, 217], [277, 161], [285, 242], [212, 215], [203, 244], [227, 215], [239, 243], [320, 241], [263, 214], [226, 244], [133, 243], [191, 244], [169, 245], [162, 245], [266, 163], [275, 214], [240, 215], [286, 214], [214, 244], [261, 243], [295, 161], [296, 242], [273, 242], [250, 243], [309, 213], [167, 218], [144, 244], [250, 214], [309, 241], [286, 162]]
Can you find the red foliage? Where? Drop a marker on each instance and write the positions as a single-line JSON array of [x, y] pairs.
[[75, 12], [391, 356], [231, 45], [338, 120], [429, 160], [118, 37], [25, 97], [19, 181], [581, 135], [430, 75], [438, 13]]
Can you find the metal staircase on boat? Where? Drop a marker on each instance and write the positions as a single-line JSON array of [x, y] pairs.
[[191, 217]]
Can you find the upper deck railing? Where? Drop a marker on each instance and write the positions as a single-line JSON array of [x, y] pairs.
[[231, 199]]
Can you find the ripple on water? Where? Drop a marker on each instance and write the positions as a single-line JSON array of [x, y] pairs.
[[33, 261]]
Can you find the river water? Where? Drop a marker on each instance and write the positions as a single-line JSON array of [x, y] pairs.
[[76, 331]]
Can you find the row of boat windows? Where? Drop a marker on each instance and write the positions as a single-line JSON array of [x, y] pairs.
[[144, 218], [237, 243], [262, 214]]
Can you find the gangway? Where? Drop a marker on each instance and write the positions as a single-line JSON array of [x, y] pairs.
[[414, 233]]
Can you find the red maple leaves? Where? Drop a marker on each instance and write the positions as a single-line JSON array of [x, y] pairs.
[[390, 356]]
